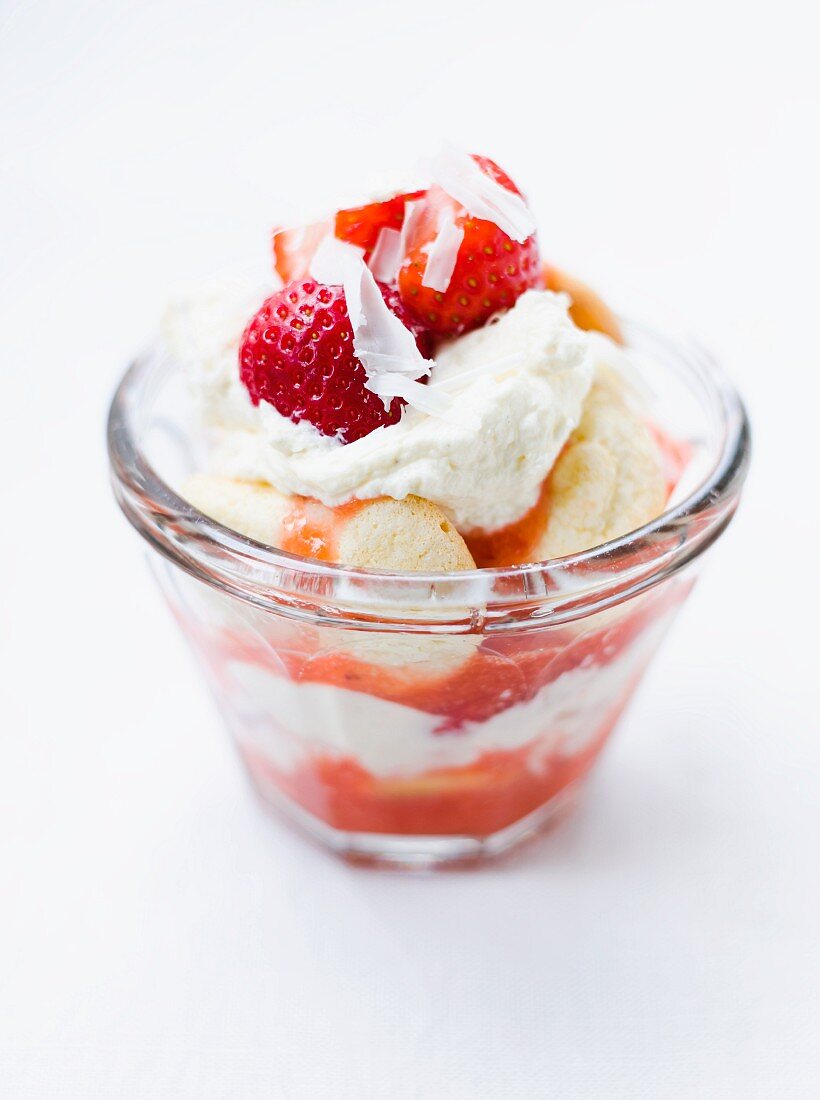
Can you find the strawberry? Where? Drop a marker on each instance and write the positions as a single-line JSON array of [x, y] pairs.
[[491, 270], [294, 248], [361, 225], [491, 169], [297, 354]]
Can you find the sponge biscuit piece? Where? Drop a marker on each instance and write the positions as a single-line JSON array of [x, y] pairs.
[[249, 507], [410, 535], [607, 481], [587, 309]]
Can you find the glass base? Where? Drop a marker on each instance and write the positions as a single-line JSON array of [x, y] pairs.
[[417, 852]]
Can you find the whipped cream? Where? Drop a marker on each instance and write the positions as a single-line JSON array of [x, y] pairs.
[[517, 387]]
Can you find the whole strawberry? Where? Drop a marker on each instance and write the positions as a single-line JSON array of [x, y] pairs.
[[491, 270], [297, 354]]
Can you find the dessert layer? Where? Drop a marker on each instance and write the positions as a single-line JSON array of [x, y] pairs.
[[288, 721]]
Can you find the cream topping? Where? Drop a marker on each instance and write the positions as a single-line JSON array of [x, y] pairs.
[[517, 388]]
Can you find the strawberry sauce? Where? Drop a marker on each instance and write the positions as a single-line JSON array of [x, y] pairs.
[[515, 543], [312, 529], [495, 791]]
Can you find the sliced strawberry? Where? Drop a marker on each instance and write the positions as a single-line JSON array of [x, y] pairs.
[[361, 225], [294, 248]]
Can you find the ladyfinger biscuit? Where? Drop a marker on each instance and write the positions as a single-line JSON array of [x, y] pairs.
[[587, 309], [410, 535], [607, 481]]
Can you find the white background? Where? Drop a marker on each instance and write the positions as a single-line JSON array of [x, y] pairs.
[[159, 936]]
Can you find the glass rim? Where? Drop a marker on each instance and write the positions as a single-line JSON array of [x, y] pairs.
[[562, 589]]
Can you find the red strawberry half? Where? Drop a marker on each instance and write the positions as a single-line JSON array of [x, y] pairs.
[[491, 269], [297, 354]]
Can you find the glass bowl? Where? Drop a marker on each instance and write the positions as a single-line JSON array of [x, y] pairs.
[[425, 720]]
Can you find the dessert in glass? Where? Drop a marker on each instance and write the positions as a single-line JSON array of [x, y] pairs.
[[424, 508]]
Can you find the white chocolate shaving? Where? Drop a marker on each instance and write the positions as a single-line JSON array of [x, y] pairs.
[[386, 257], [441, 260], [386, 348], [458, 174], [413, 212], [495, 368], [424, 398], [332, 258]]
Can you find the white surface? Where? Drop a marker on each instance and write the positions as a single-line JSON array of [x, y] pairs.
[[159, 937]]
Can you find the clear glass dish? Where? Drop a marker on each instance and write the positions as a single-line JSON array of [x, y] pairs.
[[425, 720]]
